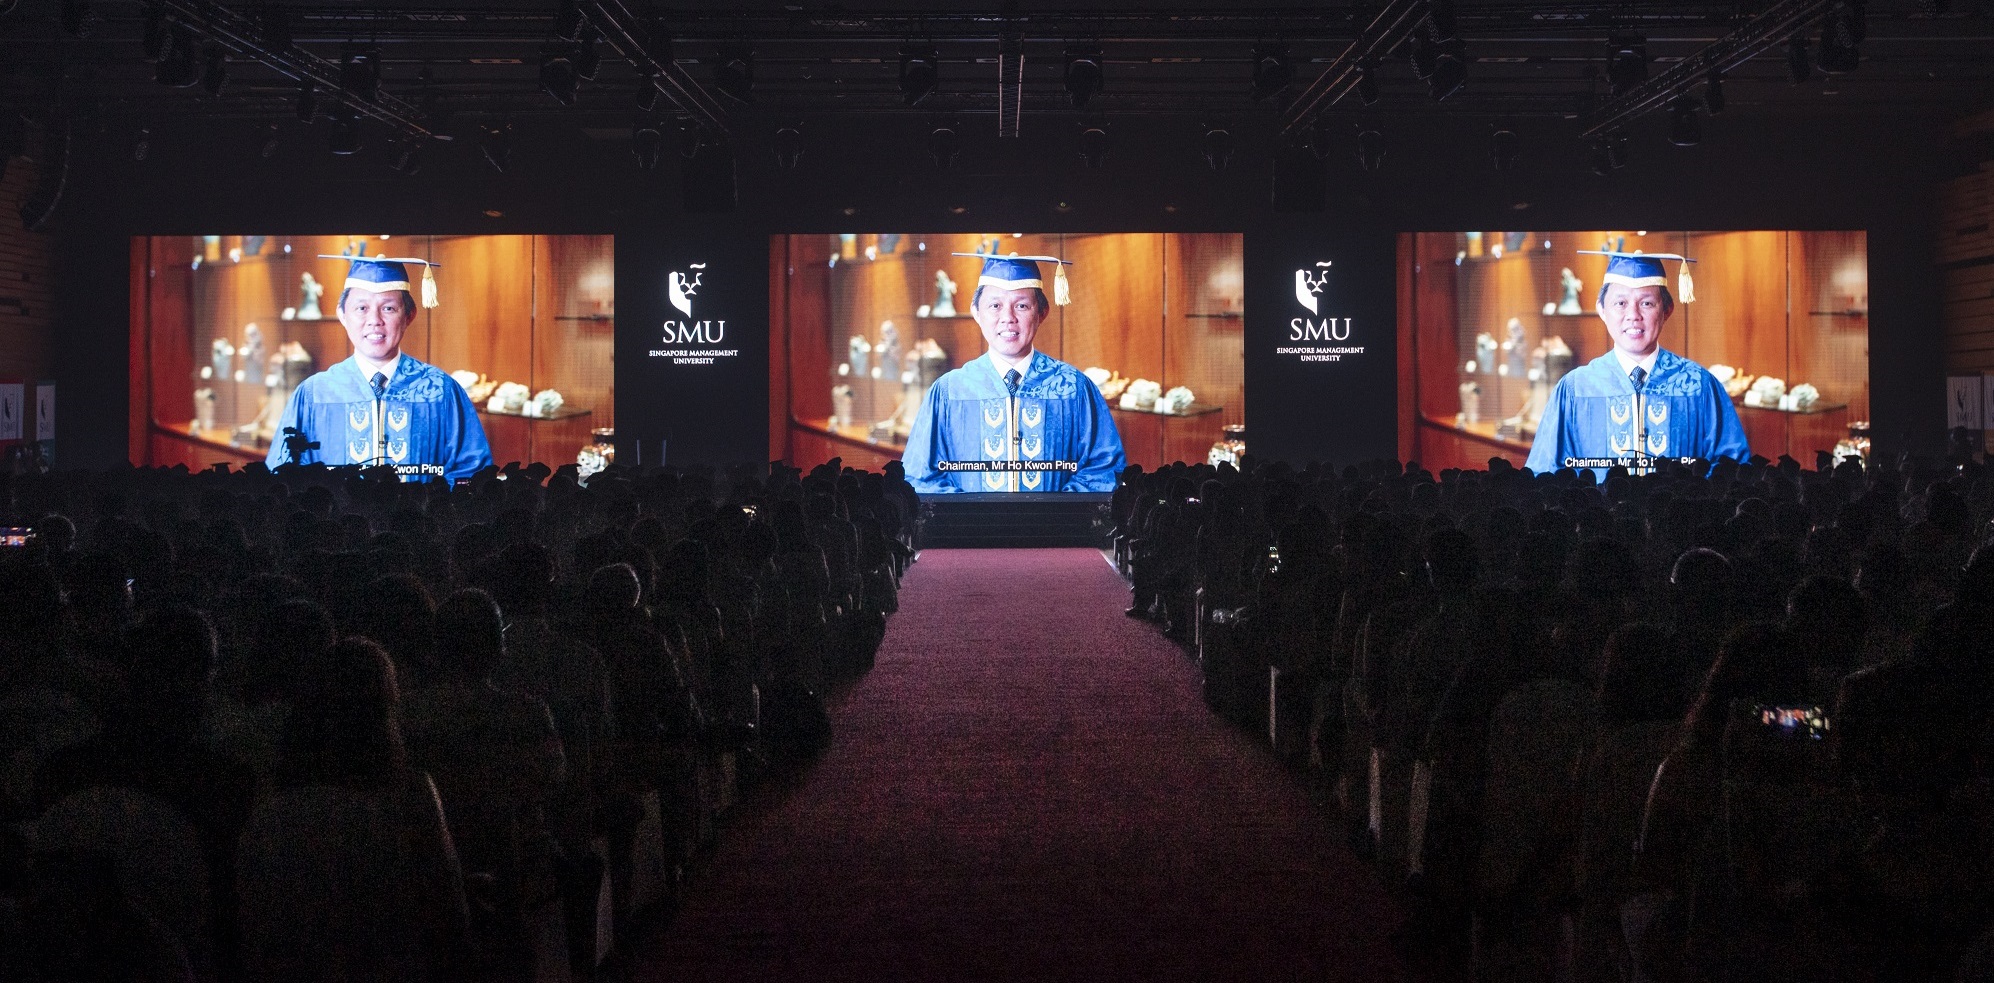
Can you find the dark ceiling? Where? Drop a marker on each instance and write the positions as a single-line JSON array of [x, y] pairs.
[[447, 68]]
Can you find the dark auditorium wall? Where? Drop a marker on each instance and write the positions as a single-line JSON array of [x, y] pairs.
[[1815, 170]]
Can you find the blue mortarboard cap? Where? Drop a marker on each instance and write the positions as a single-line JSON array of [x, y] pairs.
[[1645, 270], [384, 273], [1015, 272]]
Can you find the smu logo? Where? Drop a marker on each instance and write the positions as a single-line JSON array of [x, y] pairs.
[[1309, 287], [683, 288]]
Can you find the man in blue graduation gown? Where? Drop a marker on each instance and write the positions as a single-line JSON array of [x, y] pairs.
[[1639, 401], [1036, 419], [382, 407]]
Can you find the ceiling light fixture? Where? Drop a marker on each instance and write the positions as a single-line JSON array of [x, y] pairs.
[[920, 72]]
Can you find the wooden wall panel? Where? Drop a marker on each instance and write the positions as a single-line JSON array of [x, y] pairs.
[[779, 348], [1829, 345], [1740, 317], [486, 320], [27, 302], [1116, 320], [1204, 336], [574, 330], [808, 327]]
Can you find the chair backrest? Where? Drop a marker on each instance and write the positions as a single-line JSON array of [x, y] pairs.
[[1538, 739], [1613, 794], [34, 723], [156, 853]]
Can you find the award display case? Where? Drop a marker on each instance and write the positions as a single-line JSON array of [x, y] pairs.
[[871, 321], [1497, 318], [225, 327]]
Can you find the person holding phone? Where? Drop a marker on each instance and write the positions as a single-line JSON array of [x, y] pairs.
[[382, 406]]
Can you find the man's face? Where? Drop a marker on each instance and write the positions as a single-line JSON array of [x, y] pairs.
[[1009, 319], [1634, 317], [375, 322]]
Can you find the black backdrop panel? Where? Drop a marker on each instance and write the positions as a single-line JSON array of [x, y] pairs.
[[1321, 346], [692, 355]]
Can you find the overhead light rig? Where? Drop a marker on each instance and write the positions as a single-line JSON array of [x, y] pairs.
[[1775, 27]]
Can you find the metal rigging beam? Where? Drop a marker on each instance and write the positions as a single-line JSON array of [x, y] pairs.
[[651, 56], [1761, 33], [1391, 26]]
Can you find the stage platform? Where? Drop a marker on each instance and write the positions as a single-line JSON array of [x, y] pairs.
[[1021, 519]]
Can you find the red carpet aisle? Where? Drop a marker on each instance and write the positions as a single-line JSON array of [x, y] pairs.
[[1027, 787]]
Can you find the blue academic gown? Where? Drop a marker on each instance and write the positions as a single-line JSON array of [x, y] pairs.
[[1590, 414], [1059, 416], [426, 427]]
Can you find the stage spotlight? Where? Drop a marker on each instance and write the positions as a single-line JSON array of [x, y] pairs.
[[408, 157], [1450, 71], [944, 145], [156, 37], [557, 74], [920, 72], [1504, 147], [1713, 93], [1320, 142], [648, 144], [269, 147], [214, 74], [1617, 151], [1271, 70], [587, 60], [345, 139], [1370, 149], [1799, 64], [734, 71], [1218, 147], [1626, 64], [360, 73], [1685, 127], [567, 21], [142, 146], [178, 68], [1093, 146], [788, 146], [307, 101], [40, 203], [1599, 159], [647, 93], [497, 146], [708, 179], [1367, 83], [1424, 53], [1083, 73], [1840, 35], [76, 19]]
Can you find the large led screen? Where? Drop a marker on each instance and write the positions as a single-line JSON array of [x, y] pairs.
[[1520, 346], [1129, 350], [243, 350]]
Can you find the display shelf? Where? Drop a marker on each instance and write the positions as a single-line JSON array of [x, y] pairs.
[[1816, 410], [1850, 313], [563, 413], [1196, 409]]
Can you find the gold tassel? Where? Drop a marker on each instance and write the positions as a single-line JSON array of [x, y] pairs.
[[1061, 293], [428, 287], [1685, 286]]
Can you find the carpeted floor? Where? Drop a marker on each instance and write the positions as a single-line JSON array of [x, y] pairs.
[[1028, 787]]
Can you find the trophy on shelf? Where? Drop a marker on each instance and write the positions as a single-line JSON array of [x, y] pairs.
[[887, 352], [1568, 301], [1515, 354], [858, 352], [251, 351], [1471, 398], [841, 405], [204, 409], [312, 290], [945, 288]]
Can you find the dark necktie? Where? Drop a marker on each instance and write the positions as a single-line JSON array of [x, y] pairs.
[[380, 385], [1011, 380], [1640, 377]]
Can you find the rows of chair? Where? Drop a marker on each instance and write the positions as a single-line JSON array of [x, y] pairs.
[[323, 724], [1706, 723]]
